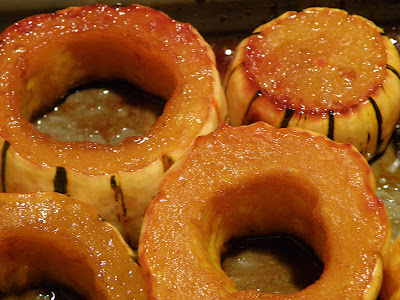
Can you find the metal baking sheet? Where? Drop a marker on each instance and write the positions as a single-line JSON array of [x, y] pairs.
[[214, 16]]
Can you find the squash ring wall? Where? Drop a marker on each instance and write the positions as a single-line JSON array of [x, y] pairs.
[[256, 179], [44, 56], [50, 238]]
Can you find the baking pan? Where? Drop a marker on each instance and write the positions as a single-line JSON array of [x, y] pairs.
[[215, 16]]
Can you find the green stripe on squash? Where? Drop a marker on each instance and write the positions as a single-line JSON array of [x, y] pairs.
[[61, 181], [4, 150]]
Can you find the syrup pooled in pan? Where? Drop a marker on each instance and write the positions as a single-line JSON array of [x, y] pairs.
[[106, 114], [387, 168], [52, 293]]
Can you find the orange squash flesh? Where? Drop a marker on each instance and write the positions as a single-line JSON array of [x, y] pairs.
[[257, 179], [49, 238], [320, 69], [391, 270], [44, 56]]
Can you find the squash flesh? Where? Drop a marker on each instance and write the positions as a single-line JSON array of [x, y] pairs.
[[391, 268]]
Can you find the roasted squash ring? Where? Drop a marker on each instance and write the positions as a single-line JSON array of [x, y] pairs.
[[44, 56], [50, 238], [257, 179], [320, 69]]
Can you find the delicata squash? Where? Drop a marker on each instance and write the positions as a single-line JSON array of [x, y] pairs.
[[44, 56], [255, 180], [50, 238], [320, 69]]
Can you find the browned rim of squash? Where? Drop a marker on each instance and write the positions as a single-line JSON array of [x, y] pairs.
[[43, 56]]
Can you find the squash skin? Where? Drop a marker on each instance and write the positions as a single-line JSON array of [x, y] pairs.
[[257, 179], [367, 123], [43, 56], [50, 238]]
